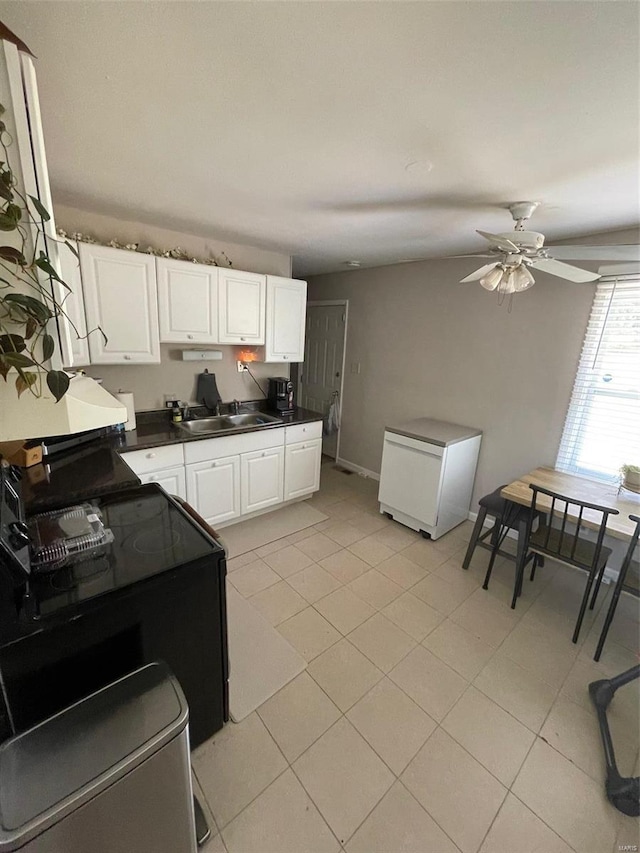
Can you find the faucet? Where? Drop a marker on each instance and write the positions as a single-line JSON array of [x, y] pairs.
[[235, 407], [217, 409], [186, 411]]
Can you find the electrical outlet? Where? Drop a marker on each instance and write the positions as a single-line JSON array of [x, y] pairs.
[[241, 367]]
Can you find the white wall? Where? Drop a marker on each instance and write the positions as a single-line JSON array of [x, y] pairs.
[[150, 382]]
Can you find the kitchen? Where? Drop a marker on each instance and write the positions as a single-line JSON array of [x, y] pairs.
[[471, 370]]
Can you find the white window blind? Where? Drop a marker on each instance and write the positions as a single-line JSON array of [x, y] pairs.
[[602, 428]]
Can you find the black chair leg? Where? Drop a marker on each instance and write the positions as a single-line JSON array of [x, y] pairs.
[[477, 530], [597, 588], [583, 606], [521, 559], [495, 541], [607, 622], [534, 565]]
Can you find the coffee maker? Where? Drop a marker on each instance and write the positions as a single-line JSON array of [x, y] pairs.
[[280, 395]]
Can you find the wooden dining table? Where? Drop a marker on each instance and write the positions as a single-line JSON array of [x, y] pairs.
[[581, 488]]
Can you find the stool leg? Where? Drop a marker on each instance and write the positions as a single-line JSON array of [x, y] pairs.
[[607, 622], [477, 530], [521, 559], [495, 540], [597, 587], [533, 567], [583, 606]]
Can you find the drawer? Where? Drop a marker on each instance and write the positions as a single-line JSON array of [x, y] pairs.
[[155, 458], [303, 432], [231, 445]]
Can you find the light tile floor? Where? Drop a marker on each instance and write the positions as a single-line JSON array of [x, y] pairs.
[[431, 718]]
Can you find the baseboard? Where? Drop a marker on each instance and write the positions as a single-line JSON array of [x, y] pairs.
[[357, 469]]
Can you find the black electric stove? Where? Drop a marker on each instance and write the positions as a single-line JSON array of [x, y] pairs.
[[155, 591]]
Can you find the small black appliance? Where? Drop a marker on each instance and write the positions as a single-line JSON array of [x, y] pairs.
[[280, 395]]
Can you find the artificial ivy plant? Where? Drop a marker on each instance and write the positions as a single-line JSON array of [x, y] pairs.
[[25, 343]]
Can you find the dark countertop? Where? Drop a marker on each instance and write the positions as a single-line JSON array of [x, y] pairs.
[[155, 429], [98, 468]]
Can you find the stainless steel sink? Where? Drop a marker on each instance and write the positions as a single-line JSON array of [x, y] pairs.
[[221, 423]]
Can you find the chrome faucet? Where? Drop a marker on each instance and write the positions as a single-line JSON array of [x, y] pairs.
[[235, 407], [218, 409]]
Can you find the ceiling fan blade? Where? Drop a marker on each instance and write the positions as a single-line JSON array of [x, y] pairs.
[[474, 255], [500, 242], [597, 253], [478, 274], [567, 271]]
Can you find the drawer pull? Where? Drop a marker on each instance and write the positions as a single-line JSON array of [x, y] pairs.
[[151, 455], [214, 464], [127, 358], [243, 339], [190, 337], [285, 357]]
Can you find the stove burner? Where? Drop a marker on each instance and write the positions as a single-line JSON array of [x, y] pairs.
[[155, 542]]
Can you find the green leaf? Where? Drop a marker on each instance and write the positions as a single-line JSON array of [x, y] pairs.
[[17, 359], [73, 248], [57, 382], [7, 223], [37, 309], [5, 191], [14, 211], [32, 325], [43, 263], [48, 346], [12, 343], [8, 253], [4, 368], [24, 381], [42, 210]]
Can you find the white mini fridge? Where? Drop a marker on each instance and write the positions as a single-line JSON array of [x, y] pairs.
[[428, 469]]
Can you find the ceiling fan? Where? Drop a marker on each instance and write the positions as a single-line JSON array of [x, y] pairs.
[[515, 254]]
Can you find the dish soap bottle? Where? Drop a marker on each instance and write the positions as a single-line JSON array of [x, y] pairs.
[[176, 414]]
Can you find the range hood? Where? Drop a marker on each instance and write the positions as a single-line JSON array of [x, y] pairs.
[[86, 405]]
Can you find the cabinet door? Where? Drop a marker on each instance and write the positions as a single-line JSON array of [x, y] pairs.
[[121, 298], [187, 302], [286, 311], [302, 468], [73, 324], [242, 307], [261, 479], [172, 480], [213, 489]]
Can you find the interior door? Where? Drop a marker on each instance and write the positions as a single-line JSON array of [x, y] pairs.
[[321, 374]]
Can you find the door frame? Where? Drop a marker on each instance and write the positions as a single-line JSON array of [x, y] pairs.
[[324, 303]]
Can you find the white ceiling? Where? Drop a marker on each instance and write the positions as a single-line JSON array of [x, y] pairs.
[[341, 130]]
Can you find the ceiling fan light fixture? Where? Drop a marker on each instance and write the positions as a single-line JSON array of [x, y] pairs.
[[493, 278], [523, 279], [507, 283]]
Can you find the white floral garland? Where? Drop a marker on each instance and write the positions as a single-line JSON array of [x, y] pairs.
[[179, 254]]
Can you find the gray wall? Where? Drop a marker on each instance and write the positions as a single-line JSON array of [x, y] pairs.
[[150, 382], [429, 346]]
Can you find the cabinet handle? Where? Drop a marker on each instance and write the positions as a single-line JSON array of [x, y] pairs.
[[264, 454], [214, 464], [243, 339], [190, 337], [285, 357], [151, 455], [127, 357], [152, 479]]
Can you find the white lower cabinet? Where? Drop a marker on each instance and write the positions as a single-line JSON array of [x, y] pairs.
[[302, 468], [261, 479], [172, 480], [213, 488]]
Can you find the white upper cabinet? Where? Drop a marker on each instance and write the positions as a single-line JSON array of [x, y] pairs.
[[73, 324], [242, 307], [286, 309], [121, 298], [187, 302]]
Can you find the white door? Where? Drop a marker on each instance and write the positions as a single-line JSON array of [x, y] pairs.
[[321, 376], [73, 323], [241, 307], [187, 302], [172, 480], [261, 479], [302, 468], [286, 309], [121, 299], [213, 489]]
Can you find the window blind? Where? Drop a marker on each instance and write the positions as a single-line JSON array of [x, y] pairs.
[[602, 427]]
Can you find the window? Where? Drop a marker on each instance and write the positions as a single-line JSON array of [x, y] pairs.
[[602, 429]]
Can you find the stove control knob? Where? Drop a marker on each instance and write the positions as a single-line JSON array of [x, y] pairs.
[[18, 534]]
